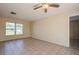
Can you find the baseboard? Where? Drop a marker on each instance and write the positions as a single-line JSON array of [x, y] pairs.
[[52, 42], [15, 39]]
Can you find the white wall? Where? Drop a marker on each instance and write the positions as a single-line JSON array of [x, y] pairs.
[[54, 29]]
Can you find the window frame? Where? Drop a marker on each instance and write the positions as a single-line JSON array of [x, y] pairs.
[[15, 28], [22, 29]]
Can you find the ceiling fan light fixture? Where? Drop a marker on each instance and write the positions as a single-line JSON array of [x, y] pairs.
[[45, 6]]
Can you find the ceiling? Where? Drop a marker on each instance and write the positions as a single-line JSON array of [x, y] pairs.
[[25, 10]]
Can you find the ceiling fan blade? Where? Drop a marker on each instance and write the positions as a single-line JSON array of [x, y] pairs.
[[45, 10], [39, 4], [37, 7], [54, 5]]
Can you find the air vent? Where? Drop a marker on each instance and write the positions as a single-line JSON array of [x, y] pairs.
[[14, 13]]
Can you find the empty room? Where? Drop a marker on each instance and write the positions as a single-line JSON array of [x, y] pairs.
[[39, 28]]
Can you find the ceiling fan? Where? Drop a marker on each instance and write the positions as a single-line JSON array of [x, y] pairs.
[[45, 6]]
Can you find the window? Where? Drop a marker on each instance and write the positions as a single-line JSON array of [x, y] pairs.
[[19, 29], [14, 28], [10, 28]]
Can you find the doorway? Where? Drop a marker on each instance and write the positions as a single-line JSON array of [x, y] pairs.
[[74, 31]]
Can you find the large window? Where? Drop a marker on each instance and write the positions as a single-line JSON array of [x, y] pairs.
[[14, 28]]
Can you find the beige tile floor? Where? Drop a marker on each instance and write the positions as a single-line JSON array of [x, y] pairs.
[[34, 47]]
